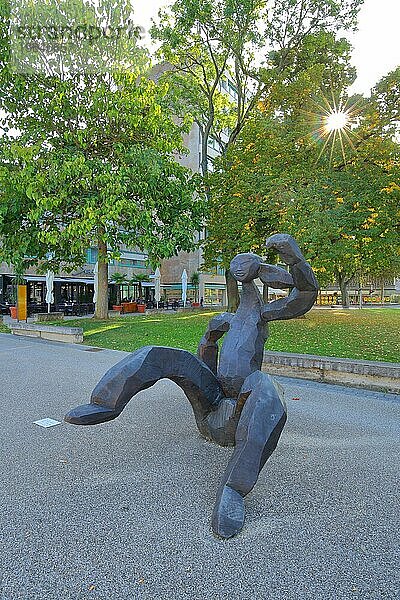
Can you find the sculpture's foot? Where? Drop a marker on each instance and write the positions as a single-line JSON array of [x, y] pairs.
[[90, 414], [228, 514]]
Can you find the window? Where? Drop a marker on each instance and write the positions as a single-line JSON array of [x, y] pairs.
[[232, 90], [92, 256], [132, 263], [212, 143], [210, 164]]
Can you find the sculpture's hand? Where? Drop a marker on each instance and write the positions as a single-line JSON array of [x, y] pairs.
[[286, 247], [304, 293], [207, 350]]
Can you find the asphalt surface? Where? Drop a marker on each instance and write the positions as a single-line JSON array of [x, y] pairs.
[[122, 510]]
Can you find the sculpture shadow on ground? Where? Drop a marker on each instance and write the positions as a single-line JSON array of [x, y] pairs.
[[234, 402]]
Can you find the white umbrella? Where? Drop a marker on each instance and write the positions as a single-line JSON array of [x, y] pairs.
[[184, 286], [157, 286], [49, 289], [96, 282]]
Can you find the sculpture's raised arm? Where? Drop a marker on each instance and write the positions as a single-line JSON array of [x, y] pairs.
[[305, 285], [208, 348], [275, 277]]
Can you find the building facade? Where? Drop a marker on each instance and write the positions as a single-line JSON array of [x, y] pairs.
[[77, 287], [211, 289]]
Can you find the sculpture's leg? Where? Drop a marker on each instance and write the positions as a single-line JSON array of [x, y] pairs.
[[142, 369], [260, 425]]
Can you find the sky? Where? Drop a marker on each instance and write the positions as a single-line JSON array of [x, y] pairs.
[[376, 43]]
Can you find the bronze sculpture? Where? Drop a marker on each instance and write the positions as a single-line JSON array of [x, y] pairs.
[[234, 402]]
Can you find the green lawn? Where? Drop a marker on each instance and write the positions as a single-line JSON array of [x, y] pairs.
[[3, 328], [370, 334]]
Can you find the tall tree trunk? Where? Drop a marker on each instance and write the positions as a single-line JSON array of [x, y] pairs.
[[232, 291], [343, 284], [265, 293], [102, 295], [204, 158]]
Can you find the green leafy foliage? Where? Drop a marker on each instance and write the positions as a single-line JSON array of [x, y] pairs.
[[261, 48], [344, 210], [140, 278], [254, 44], [91, 159], [195, 281]]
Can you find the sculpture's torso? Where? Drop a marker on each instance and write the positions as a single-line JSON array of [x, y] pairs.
[[243, 346]]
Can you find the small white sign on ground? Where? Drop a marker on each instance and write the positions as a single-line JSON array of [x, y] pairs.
[[47, 422]]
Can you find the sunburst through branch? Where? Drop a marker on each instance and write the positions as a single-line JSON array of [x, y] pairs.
[[336, 120], [334, 126]]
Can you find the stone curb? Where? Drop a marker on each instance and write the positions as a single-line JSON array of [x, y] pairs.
[[72, 335], [373, 375]]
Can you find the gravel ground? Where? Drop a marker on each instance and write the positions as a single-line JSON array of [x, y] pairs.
[[122, 510]]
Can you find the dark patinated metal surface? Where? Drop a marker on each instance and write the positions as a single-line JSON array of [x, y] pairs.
[[234, 403]]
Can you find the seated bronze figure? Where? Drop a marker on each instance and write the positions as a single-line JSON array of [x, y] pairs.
[[234, 403]]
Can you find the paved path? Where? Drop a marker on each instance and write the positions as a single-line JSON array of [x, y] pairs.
[[125, 506]]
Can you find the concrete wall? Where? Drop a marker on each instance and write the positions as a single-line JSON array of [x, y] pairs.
[[358, 373]]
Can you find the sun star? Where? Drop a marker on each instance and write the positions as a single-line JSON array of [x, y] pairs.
[[336, 121], [335, 124]]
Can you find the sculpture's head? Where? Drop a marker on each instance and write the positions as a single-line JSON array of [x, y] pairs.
[[245, 267]]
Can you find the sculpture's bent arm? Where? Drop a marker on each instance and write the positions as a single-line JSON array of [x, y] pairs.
[[305, 290], [275, 277], [207, 350]]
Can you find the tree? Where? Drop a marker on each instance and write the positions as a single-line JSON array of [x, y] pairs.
[[349, 221], [207, 41], [250, 182], [249, 42], [91, 160], [140, 278], [195, 280], [343, 212]]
